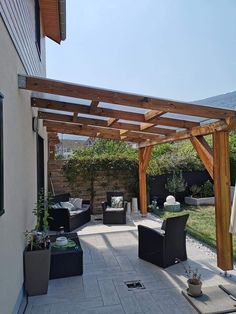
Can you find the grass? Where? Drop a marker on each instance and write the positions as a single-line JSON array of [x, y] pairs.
[[201, 223]]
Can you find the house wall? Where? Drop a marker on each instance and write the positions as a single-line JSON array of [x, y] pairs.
[[18, 16], [20, 162]]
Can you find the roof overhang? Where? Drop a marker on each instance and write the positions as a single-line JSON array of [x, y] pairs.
[[90, 111], [53, 14]]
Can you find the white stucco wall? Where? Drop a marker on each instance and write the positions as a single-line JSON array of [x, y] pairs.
[[20, 170]]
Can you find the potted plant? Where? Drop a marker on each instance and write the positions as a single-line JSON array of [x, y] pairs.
[[194, 280], [37, 251]]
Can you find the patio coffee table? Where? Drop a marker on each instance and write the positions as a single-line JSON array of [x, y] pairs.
[[68, 261]]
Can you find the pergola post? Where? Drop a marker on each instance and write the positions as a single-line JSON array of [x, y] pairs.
[[222, 200], [144, 157]]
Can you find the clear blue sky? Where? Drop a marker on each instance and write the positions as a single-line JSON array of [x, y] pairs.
[[179, 49]]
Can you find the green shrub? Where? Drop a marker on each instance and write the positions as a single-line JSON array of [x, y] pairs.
[[207, 189], [176, 183], [195, 190]]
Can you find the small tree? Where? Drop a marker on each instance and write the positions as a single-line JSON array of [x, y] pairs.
[[176, 183]]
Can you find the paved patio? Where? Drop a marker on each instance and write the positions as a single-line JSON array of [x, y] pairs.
[[110, 259]]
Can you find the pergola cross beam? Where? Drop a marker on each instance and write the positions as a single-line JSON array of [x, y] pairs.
[[120, 98]]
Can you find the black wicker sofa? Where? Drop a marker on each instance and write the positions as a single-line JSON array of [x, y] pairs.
[[70, 220]]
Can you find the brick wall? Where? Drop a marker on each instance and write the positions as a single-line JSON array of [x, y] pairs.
[[94, 191]]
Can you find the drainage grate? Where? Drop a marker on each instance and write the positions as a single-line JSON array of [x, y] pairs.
[[134, 284]]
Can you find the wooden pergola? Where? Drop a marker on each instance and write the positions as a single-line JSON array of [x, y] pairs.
[[147, 121]]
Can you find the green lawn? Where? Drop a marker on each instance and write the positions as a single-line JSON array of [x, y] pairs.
[[201, 223]]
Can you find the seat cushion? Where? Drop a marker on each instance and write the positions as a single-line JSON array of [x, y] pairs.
[[76, 212], [111, 209]]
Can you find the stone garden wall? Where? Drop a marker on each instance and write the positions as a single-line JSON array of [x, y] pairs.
[[94, 191]]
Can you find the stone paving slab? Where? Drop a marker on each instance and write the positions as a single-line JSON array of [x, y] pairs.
[[110, 259]]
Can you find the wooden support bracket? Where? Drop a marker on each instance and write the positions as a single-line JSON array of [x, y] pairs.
[[204, 151]]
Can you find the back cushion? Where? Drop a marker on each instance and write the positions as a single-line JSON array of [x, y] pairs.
[[77, 202], [57, 205], [117, 201], [68, 205]]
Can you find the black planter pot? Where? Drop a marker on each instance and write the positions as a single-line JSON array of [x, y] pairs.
[[36, 271]]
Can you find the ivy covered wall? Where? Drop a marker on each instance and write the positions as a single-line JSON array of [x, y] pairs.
[[94, 186]]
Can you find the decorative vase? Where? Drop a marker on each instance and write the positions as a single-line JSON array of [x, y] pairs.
[[134, 205], [194, 290], [128, 208]]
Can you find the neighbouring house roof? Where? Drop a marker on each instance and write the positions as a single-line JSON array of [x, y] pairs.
[[53, 14]]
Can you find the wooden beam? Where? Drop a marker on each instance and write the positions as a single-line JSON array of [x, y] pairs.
[[104, 130], [103, 123], [176, 123], [104, 112], [114, 97], [92, 134], [144, 157], [183, 135], [222, 200], [204, 151], [72, 107], [93, 131], [68, 118]]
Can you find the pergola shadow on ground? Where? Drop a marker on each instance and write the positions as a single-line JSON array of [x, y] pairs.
[[146, 121], [111, 259]]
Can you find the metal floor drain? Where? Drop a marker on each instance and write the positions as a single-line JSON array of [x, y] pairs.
[[134, 284]]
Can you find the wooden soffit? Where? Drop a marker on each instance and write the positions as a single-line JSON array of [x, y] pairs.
[[50, 15]]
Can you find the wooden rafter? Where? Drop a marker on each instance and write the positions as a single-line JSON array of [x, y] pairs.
[[93, 107], [114, 97], [108, 113]]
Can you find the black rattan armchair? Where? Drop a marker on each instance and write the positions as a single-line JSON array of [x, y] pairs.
[[113, 215], [163, 247]]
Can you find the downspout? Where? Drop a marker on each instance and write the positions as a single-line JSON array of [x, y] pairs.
[[62, 12]]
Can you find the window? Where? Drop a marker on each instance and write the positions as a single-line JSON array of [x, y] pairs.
[[37, 26], [1, 158]]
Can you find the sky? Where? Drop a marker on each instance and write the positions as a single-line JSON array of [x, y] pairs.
[[177, 49]]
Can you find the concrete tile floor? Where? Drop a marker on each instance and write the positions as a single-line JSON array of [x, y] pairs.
[[110, 259]]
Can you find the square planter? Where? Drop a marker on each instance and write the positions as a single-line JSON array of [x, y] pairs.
[[199, 201], [36, 271]]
